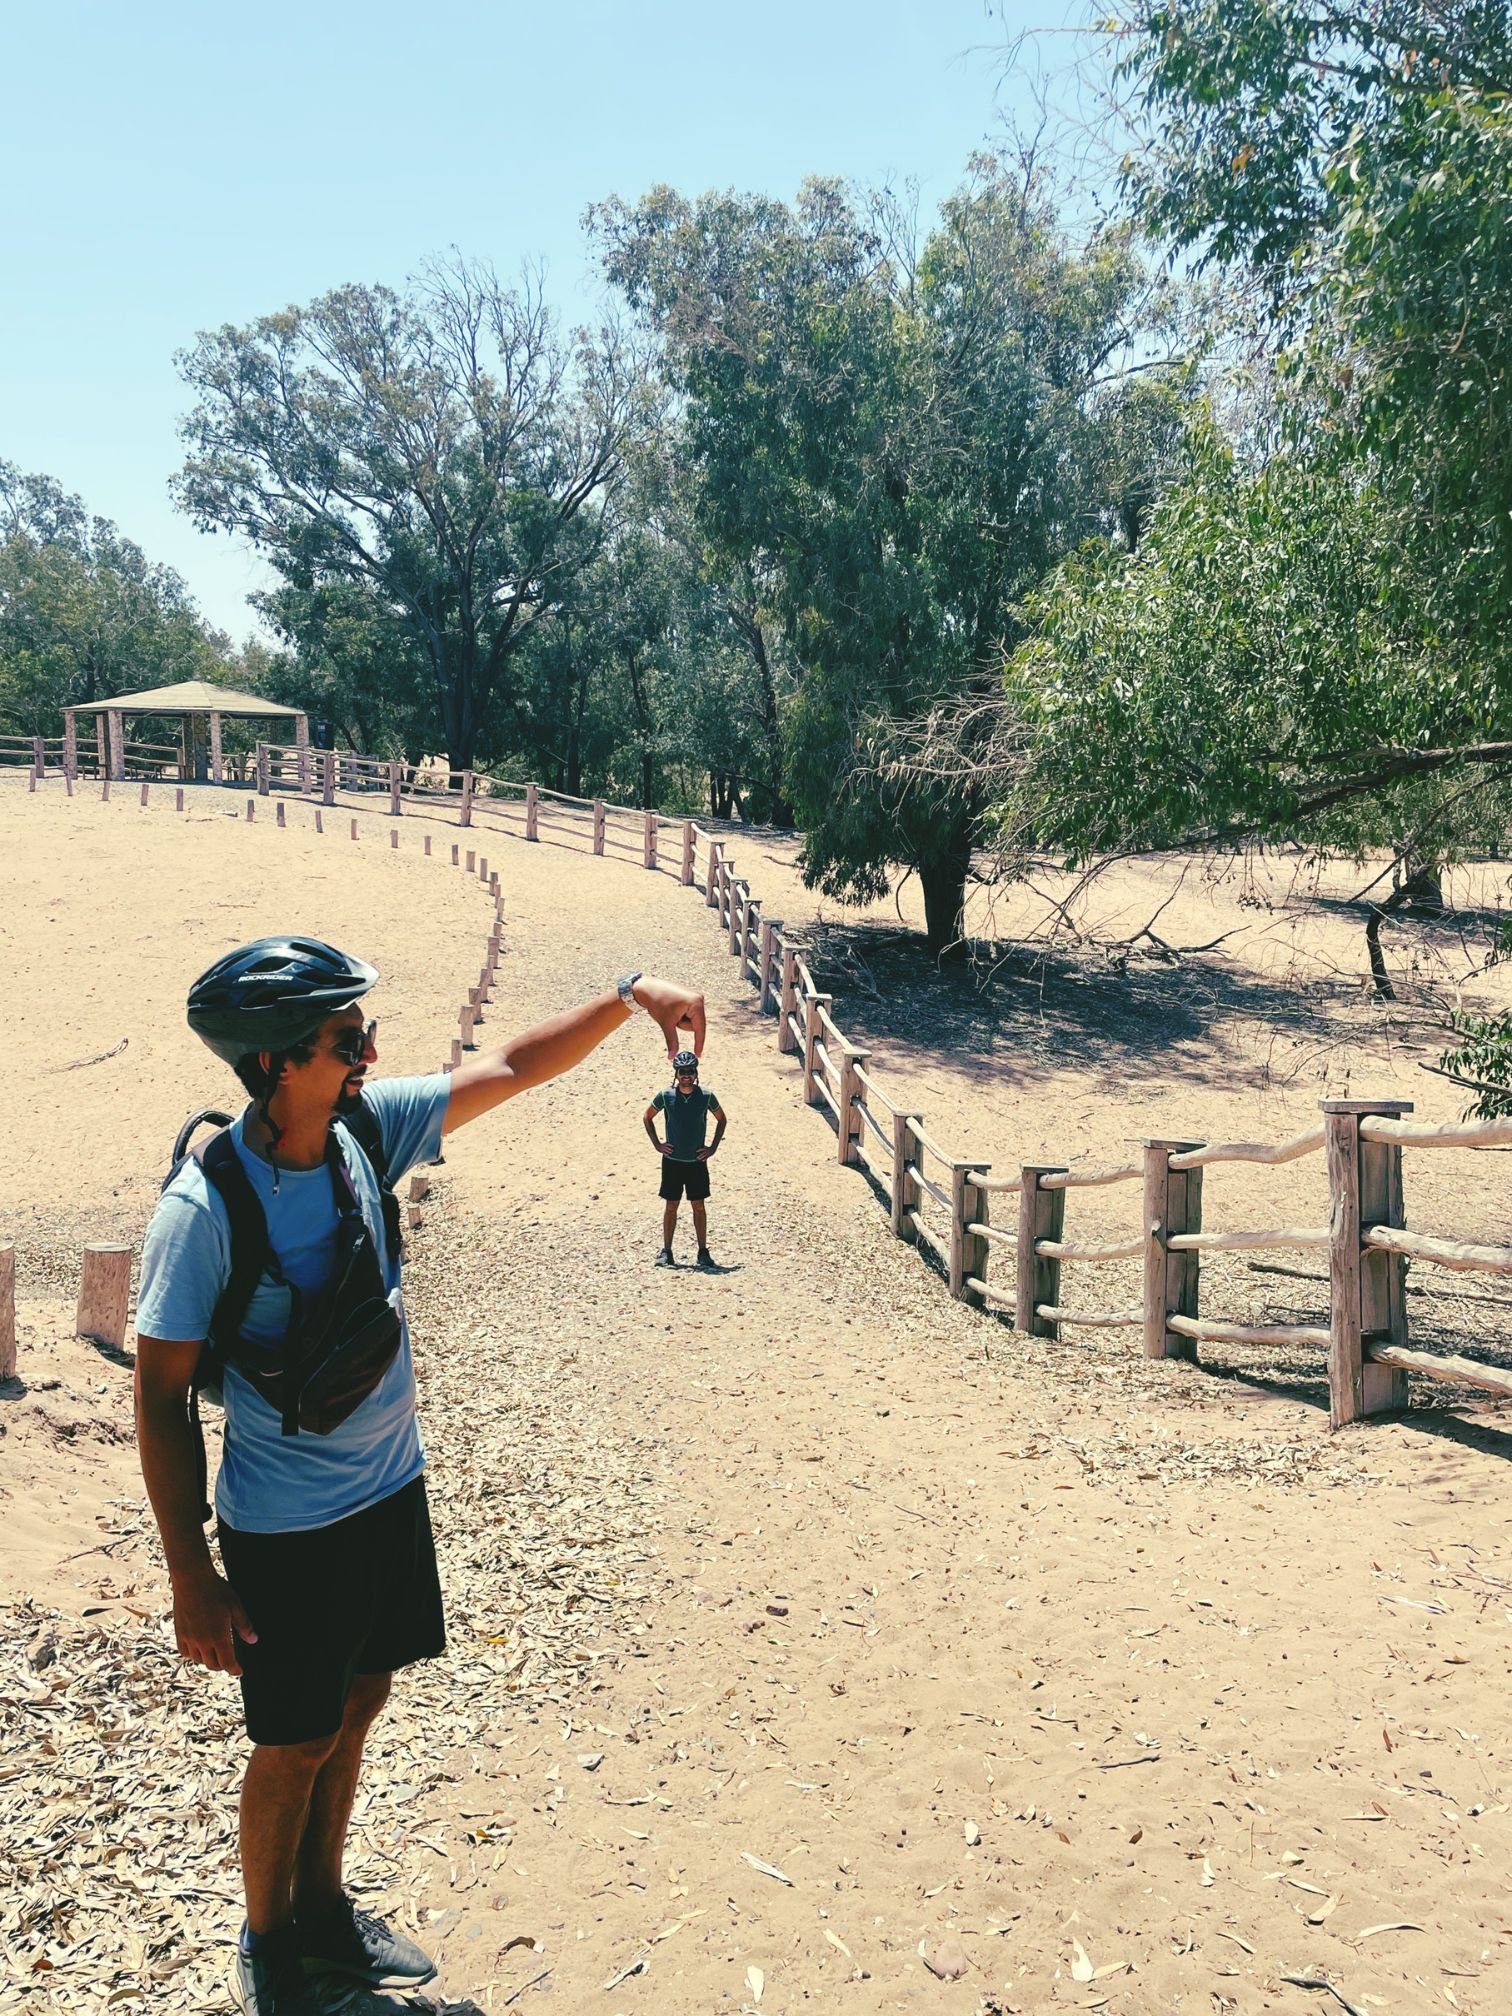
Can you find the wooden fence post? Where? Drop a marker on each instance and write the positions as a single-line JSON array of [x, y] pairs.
[[396, 788], [472, 862], [39, 757], [598, 825], [262, 769], [280, 820], [968, 1204], [905, 1188], [687, 860], [1366, 1290], [750, 911], [767, 960], [532, 812], [787, 1005], [467, 798], [711, 876], [1172, 1203], [328, 776], [104, 1289], [7, 1309], [851, 1054], [813, 1002], [465, 1022], [1042, 1215], [648, 841]]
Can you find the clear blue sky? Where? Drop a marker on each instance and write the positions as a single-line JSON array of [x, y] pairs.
[[169, 167]]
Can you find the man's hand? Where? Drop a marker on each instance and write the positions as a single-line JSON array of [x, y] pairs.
[[704, 1154], [208, 1618], [672, 1009], [664, 1147]]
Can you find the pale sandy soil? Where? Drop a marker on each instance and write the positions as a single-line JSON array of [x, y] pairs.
[[1037, 1651]]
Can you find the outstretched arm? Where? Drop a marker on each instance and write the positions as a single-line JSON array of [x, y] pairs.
[[553, 1047]]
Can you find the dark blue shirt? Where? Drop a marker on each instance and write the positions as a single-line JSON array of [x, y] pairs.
[[687, 1119]]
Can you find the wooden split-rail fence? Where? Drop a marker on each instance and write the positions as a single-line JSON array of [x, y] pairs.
[[1003, 1258]]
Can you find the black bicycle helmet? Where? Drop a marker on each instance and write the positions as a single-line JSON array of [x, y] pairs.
[[273, 993], [685, 1061]]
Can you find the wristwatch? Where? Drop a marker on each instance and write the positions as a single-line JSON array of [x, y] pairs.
[[625, 984]]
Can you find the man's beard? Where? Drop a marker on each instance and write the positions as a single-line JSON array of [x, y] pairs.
[[350, 1099]]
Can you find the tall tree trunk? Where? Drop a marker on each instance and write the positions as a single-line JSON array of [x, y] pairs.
[[943, 880]]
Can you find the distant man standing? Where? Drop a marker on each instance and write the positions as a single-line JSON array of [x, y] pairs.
[[685, 1107]]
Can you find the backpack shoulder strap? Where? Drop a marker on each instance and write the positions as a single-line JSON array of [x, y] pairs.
[[250, 1249], [363, 1126]]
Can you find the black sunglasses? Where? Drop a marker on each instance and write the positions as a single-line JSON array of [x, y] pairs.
[[351, 1045]]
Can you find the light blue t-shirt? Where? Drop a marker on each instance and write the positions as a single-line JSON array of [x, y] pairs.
[[270, 1482]]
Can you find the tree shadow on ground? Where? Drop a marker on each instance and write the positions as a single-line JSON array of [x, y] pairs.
[[1006, 1011]]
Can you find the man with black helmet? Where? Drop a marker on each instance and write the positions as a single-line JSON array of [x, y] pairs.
[[330, 1577], [685, 1106]]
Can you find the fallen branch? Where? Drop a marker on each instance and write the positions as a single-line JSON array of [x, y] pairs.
[[1316, 1981], [83, 1063]]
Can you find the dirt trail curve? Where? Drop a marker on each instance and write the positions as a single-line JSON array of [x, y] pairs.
[[807, 1628]]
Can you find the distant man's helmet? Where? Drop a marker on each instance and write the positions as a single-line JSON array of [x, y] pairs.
[[272, 994], [685, 1060]]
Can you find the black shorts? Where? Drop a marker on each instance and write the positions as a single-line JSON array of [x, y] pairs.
[[362, 1596], [677, 1177]]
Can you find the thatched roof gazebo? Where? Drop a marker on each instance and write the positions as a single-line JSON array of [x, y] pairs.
[[202, 707]]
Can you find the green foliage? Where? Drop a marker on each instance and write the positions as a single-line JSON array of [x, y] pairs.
[[888, 449], [83, 612], [1483, 1056], [421, 459]]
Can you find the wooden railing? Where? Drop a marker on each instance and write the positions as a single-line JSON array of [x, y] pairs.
[[943, 1202]]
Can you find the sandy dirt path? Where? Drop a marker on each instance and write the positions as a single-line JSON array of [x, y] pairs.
[[801, 1618]]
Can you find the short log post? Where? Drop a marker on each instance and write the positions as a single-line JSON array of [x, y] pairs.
[[427, 845], [251, 810], [711, 876], [598, 825], [968, 1250], [217, 759], [278, 817], [813, 1003], [393, 832], [419, 1188], [467, 798], [532, 813], [972, 1208], [1042, 1215], [472, 861], [851, 1054], [142, 794], [456, 1054], [7, 1309], [1172, 1281], [482, 867], [396, 788], [354, 829], [31, 781], [905, 1185], [767, 961], [262, 769], [104, 1289], [178, 801], [787, 1005], [687, 860], [319, 822], [465, 1021], [1367, 1290], [648, 840], [105, 789]]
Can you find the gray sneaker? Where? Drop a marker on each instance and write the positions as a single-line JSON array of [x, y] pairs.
[[357, 1944], [272, 1981]]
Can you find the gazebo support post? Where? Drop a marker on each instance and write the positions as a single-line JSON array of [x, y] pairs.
[[217, 773], [101, 758], [70, 744], [302, 744], [116, 732]]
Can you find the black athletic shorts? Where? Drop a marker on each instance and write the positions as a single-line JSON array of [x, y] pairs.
[[677, 1177], [362, 1596]]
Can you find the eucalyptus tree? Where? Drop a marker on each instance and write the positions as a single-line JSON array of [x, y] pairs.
[[890, 444], [430, 448]]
